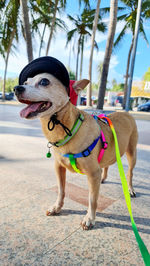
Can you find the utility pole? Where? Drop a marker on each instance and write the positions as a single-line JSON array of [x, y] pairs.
[[133, 54]]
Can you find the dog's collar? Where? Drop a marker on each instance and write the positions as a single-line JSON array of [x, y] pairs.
[[70, 133]]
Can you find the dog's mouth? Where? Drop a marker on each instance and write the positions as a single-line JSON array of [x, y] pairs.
[[34, 108]]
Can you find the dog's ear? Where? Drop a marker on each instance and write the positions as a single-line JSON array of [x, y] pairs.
[[80, 85]]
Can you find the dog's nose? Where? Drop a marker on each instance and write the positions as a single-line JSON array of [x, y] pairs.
[[18, 90]]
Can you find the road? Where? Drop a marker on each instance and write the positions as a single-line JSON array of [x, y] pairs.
[[12, 123]]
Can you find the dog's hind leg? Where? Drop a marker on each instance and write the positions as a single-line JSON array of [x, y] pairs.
[[94, 185], [61, 180], [131, 157], [132, 161], [104, 174]]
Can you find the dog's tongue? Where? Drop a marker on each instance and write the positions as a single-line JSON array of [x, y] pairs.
[[33, 107]]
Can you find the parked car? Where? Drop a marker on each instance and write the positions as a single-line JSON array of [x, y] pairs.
[[8, 96], [83, 100], [144, 107], [119, 100], [112, 100]]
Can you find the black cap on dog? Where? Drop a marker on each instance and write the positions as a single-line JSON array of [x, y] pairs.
[[45, 64]]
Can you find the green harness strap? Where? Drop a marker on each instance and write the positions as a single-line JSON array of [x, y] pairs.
[[73, 164], [74, 130], [143, 249]]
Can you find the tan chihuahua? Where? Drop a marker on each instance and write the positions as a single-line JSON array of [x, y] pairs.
[[45, 95]]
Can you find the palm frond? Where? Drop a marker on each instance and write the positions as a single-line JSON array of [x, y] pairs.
[[2, 4], [96, 45], [86, 3], [128, 3], [106, 10], [102, 27], [142, 32], [120, 36], [145, 6], [122, 17], [70, 35], [71, 18], [61, 24], [146, 9]]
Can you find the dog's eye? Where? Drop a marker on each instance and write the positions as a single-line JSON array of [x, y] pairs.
[[44, 82]]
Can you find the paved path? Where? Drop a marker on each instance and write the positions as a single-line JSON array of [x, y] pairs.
[[28, 188]]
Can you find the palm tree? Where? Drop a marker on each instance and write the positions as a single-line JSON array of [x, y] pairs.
[[130, 18], [27, 30], [108, 52], [81, 28], [95, 22], [62, 5], [86, 5], [83, 25], [2, 53], [43, 14], [9, 32]]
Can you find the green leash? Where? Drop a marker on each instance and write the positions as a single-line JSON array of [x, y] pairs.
[[143, 249]]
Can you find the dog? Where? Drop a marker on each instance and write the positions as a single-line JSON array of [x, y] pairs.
[[46, 96]]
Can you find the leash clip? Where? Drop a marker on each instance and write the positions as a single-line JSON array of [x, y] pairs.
[[104, 145]]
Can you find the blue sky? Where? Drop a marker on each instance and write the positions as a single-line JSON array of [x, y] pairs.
[[118, 60]]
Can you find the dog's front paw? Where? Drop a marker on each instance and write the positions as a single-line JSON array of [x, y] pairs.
[[53, 210], [132, 193], [87, 223]]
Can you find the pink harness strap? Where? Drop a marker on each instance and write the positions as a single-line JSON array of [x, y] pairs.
[[104, 143], [104, 146]]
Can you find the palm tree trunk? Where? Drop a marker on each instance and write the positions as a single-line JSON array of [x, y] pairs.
[[52, 27], [5, 73], [6, 63], [69, 59], [77, 60], [127, 74], [42, 38], [27, 29], [81, 62], [108, 52], [89, 88]]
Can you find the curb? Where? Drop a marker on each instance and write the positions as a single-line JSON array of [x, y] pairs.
[[137, 115]]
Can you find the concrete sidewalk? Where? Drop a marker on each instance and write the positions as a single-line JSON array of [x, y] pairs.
[[28, 188]]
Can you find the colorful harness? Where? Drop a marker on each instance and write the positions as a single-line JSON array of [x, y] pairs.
[[87, 152], [68, 137]]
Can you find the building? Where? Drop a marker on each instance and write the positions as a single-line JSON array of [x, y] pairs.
[[140, 92]]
